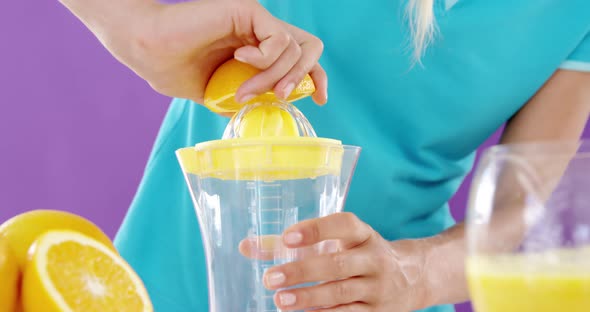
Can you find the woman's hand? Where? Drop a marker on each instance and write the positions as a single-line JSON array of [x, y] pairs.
[[176, 47], [367, 274]]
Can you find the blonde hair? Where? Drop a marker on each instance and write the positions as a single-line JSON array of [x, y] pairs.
[[420, 14]]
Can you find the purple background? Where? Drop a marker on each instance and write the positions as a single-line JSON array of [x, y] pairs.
[[76, 127]]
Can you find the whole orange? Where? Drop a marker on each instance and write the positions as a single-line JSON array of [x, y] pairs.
[[9, 276]]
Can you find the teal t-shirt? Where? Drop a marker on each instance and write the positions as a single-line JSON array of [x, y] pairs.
[[419, 127]]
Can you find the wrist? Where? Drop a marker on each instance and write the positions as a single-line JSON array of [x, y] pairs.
[[412, 257], [111, 18], [434, 268], [443, 268]]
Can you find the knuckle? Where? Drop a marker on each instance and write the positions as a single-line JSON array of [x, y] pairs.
[[357, 227], [315, 232], [246, 35], [350, 220], [343, 291], [297, 73], [250, 39], [378, 263], [338, 264], [318, 44], [297, 49], [283, 39], [374, 291], [265, 63], [383, 261]]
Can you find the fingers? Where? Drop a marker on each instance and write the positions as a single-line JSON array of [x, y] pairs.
[[266, 80], [285, 54], [271, 247], [313, 46], [327, 267], [266, 53], [345, 227], [261, 247], [320, 78], [268, 247], [311, 51], [353, 307], [330, 294], [273, 39]]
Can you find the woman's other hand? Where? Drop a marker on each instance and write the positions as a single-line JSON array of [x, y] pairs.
[[368, 273]]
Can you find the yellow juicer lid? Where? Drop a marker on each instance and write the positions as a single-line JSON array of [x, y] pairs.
[[265, 141]]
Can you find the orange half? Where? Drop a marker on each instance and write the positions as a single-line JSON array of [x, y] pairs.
[[69, 272], [224, 83]]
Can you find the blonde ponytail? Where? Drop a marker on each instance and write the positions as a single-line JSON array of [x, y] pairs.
[[420, 15]]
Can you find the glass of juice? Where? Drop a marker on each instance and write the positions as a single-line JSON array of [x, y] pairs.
[[528, 228]]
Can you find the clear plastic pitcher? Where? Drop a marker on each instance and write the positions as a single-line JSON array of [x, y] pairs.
[[268, 172], [528, 228]]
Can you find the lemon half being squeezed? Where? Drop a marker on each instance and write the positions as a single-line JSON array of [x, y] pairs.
[[221, 89]]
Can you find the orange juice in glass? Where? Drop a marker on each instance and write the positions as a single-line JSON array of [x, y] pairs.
[[528, 229], [551, 281]]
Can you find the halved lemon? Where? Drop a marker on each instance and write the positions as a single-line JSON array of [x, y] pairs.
[[225, 81], [70, 272]]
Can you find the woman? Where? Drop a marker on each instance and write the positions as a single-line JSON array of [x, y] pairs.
[[489, 63]]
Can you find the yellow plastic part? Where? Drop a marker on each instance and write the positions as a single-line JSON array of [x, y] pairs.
[[268, 145], [263, 158], [267, 121]]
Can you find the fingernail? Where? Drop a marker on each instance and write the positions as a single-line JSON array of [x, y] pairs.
[[287, 299], [288, 89], [293, 238], [275, 279], [240, 59], [246, 98]]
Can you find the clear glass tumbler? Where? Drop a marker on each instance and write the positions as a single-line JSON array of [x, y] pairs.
[[528, 228]]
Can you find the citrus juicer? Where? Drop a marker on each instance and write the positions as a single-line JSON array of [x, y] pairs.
[[268, 172]]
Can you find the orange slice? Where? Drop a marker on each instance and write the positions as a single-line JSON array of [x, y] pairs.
[[70, 272]]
